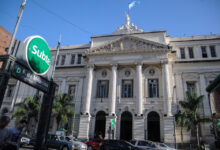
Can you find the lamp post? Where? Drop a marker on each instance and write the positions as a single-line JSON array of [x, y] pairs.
[[16, 26]]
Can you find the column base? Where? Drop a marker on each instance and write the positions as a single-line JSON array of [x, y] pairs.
[[84, 126], [138, 129], [169, 134]]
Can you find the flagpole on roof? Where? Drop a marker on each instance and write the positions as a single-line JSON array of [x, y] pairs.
[[55, 60]]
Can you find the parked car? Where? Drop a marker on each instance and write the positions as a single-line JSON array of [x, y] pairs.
[[25, 141], [145, 144], [94, 144], [163, 146], [77, 144], [118, 145], [57, 142]]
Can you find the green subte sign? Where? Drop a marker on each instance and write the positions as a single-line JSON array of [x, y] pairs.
[[38, 55]]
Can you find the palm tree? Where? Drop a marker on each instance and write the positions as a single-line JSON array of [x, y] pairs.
[[62, 109], [181, 121], [28, 110], [191, 112]]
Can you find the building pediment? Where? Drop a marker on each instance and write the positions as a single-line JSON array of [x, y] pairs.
[[128, 44]]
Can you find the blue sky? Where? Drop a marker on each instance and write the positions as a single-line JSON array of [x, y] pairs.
[[80, 19]]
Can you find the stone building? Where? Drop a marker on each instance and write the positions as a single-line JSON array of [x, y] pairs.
[[136, 79]]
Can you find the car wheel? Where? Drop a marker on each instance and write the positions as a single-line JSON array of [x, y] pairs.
[[65, 148], [90, 148]]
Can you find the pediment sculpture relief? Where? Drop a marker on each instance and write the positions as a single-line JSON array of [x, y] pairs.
[[128, 43]]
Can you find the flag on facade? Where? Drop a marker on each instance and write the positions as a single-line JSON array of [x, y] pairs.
[[132, 4]]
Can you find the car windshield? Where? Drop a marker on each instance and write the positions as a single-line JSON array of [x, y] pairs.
[[162, 145], [67, 138], [133, 142]]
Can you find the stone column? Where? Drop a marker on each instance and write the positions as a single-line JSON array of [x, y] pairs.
[[113, 94], [206, 134], [84, 126], [179, 87], [138, 129], [139, 89], [166, 88], [203, 86], [89, 89]]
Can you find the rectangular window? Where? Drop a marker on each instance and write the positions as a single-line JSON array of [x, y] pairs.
[[63, 59], [72, 59], [153, 89], [182, 53], [10, 90], [102, 89], [191, 54], [71, 91], [127, 88], [212, 51], [79, 59], [58, 57], [191, 87], [204, 52]]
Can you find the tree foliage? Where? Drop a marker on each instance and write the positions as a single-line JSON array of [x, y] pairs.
[[61, 109], [28, 109], [191, 116]]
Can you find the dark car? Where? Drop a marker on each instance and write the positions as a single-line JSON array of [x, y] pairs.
[[94, 144], [118, 145], [56, 142]]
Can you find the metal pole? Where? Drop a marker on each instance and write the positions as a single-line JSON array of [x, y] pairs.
[[16, 26], [55, 60], [15, 95], [44, 121]]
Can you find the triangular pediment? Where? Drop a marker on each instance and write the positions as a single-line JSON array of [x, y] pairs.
[[128, 44]]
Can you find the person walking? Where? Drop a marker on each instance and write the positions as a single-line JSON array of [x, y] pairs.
[[17, 132], [4, 132]]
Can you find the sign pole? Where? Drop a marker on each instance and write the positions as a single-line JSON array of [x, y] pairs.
[[45, 111], [8, 60], [16, 26]]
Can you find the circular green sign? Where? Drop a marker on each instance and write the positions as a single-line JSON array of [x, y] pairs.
[[38, 55]]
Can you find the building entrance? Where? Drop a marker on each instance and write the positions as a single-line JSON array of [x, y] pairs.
[[100, 122], [153, 126], [126, 126]]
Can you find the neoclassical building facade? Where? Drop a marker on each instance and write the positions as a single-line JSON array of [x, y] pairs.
[[135, 79]]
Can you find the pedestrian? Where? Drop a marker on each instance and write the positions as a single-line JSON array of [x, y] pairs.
[[17, 132], [100, 136], [4, 132]]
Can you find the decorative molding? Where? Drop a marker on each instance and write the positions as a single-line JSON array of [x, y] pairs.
[[128, 43]]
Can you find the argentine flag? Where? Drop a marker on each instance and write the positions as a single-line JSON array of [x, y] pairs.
[[132, 4]]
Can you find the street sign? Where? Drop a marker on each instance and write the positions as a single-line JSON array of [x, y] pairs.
[[112, 123], [23, 74], [38, 55]]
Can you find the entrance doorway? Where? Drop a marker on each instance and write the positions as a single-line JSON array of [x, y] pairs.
[[100, 122], [126, 126], [153, 126]]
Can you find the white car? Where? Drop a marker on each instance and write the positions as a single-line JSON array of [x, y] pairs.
[[145, 144], [163, 146], [24, 141], [77, 144]]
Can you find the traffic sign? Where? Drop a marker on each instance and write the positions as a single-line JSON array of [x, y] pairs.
[[218, 123], [112, 123]]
